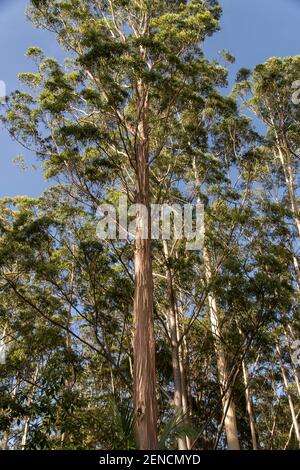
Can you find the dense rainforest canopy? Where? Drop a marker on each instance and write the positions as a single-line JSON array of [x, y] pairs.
[[140, 343]]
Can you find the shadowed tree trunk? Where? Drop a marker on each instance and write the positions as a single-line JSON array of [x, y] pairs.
[[30, 400], [229, 413], [249, 407], [179, 400]]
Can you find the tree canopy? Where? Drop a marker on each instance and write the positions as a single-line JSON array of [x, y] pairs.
[[138, 342]]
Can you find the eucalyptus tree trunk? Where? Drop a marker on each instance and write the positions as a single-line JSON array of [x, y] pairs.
[[249, 407], [69, 325], [295, 372], [290, 400], [297, 270], [3, 344], [275, 410], [179, 400], [287, 167], [183, 364], [145, 407], [229, 413], [291, 433], [184, 377], [286, 164], [30, 400], [248, 399]]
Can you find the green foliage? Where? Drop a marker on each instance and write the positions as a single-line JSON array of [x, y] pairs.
[[66, 298]]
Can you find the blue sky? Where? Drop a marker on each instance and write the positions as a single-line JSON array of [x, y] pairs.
[[252, 30]]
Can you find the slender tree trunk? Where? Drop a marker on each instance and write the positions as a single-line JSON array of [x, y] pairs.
[[295, 372], [285, 159], [145, 407], [290, 400], [25, 433], [184, 386], [27, 419], [291, 432], [183, 356], [248, 399], [3, 344], [275, 410], [173, 331], [290, 183], [130, 365], [249, 407], [68, 335], [229, 413], [297, 270]]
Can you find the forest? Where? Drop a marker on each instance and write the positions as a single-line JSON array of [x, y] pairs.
[[137, 342]]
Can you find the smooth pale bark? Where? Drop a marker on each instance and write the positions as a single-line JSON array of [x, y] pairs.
[[290, 400], [248, 399], [297, 270], [175, 352], [184, 386], [144, 377], [69, 324], [275, 410], [3, 342], [290, 183], [291, 432], [295, 373], [25, 433], [130, 366], [30, 400], [229, 413], [292, 333], [249, 407], [183, 364], [183, 355], [287, 168]]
